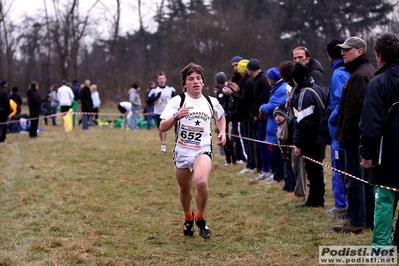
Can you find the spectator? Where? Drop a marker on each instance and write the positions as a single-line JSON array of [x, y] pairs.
[[76, 91], [379, 127], [4, 109], [308, 102], [278, 95], [126, 109], [297, 162], [95, 97], [46, 107], [338, 80], [65, 97], [17, 99], [350, 107], [87, 104], [135, 99], [301, 54], [34, 103], [220, 81], [149, 107], [54, 103], [243, 96]]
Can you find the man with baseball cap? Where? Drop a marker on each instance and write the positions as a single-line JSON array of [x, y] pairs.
[[361, 71]]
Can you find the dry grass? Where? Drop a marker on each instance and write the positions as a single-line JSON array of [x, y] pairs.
[[109, 197]]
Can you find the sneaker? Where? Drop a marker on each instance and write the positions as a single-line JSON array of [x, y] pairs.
[[348, 228], [259, 178], [226, 163], [163, 148], [240, 162], [188, 227], [342, 216], [245, 171], [236, 163], [204, 230], [336, 210]]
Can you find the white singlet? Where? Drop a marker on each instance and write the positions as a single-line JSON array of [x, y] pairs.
[[194, 132]]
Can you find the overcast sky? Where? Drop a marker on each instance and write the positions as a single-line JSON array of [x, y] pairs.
[[103, 11]]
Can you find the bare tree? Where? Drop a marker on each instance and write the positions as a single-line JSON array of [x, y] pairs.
[[8, 42], [67, 30]]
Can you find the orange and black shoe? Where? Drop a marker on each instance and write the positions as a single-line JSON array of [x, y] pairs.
[[204, 230], [188, 227]]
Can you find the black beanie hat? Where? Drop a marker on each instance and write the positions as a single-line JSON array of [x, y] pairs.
[[281, 110], [332, 50], [253, 64], [300, 72]]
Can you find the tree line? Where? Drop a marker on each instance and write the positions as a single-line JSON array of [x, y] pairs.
[[61, 41]]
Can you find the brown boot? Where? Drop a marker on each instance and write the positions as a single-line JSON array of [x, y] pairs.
[[348, 228]]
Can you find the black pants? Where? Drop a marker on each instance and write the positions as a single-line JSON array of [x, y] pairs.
[[65, 108], [3, 125], [315, 174], [34, 124], [250, 146]]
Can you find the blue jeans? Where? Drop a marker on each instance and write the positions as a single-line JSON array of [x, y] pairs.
[[53, 112], [85, 122], [337, 179], [133, 119], [355, 188], [266, 155]]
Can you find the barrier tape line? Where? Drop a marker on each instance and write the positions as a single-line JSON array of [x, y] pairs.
[[64, 113], [320, 163]]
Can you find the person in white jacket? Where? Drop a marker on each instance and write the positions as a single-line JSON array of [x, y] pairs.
[[65, 97]]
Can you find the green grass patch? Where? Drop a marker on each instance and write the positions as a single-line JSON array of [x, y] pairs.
[[109, 197]]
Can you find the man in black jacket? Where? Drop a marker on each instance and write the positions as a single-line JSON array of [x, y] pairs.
[[243, 94], [34, 103], [87, 104], [360, 198], [379, 142], [261, 96], [4, 109], [308, 102], [301, 54]]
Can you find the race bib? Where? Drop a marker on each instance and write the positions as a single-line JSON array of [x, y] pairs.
[[190, 136]]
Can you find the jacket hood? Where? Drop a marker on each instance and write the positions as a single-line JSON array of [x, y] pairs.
[[315, 65]]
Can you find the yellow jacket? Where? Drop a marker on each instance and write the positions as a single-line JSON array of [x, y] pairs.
[[13, 108]]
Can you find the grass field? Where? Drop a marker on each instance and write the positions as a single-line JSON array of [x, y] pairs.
[[108, 197]]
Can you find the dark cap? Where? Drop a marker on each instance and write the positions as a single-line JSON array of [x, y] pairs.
[[253, 64], [220, 78], [333, 50], [3, 82], [236, 59], [355, 42], [63, 82], [300, 72]]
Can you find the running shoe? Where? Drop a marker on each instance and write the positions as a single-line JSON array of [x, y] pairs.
[[204, 230], [188, 227]]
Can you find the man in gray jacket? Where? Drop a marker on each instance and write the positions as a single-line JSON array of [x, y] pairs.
[[135, 99]]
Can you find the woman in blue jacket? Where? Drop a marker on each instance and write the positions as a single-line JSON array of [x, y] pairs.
[[278, 95]]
